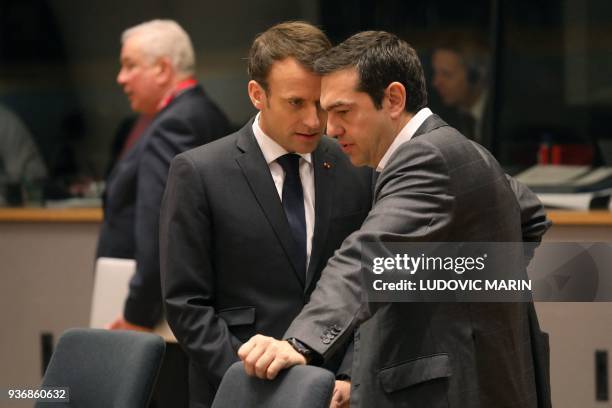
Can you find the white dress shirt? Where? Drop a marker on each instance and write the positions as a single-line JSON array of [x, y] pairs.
[[272, 151], [477, 112], [404, 135]]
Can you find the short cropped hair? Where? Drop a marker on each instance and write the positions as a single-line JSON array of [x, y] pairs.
[[473, 51], [380, 58], [165, 38], [296, 39]]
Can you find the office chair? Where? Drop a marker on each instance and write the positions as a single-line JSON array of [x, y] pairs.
[[297, 387], [104, 369]]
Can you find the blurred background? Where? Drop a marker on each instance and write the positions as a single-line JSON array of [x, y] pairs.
[[546, 65]]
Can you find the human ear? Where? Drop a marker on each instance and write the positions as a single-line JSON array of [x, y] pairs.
[[395, 94], [164, 70], [257, 94]]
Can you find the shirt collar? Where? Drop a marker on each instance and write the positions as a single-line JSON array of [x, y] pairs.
[[404, 135], [477, 110], [269, 147]]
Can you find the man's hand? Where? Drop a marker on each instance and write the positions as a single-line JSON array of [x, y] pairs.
[[121, 324], [342, 394], [264, 356]]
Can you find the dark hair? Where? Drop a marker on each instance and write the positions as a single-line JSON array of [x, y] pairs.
[[296, 39], [472, 49], [380, 58]]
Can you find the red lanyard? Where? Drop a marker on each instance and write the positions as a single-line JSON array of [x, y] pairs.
[[180, 87]]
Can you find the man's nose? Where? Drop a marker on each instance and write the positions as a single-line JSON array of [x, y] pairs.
[[333, 130], [121, 79], [311, 118]]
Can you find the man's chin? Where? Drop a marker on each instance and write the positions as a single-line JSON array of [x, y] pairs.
[[135, 107], [307, 144], [356, 161]]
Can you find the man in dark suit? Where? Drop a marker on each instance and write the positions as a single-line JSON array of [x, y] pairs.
[[435, 185], [157, 67], [249, 221]]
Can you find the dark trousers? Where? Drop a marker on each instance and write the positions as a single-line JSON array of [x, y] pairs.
[[172, 387]]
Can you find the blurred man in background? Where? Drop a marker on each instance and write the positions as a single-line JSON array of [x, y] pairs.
[[157, 75], [461, 78]]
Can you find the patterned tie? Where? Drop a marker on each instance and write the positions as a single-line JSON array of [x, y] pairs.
[[293, 204]]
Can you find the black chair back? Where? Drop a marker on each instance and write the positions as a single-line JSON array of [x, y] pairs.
[[104, 368], [297, 387]]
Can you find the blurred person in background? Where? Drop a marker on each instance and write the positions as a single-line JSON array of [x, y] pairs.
[[461, 79], [20, 159], [157, 75]]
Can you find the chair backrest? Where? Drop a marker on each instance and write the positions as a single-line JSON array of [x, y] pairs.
[[104, 368], [297, 387]]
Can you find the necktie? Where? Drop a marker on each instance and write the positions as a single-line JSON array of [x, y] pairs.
[[293, 204]]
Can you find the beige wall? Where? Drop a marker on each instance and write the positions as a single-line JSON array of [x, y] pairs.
[[46, 284]]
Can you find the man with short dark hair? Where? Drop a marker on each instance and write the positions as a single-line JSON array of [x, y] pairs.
[[435, 185], [249, 221], [461, 79]]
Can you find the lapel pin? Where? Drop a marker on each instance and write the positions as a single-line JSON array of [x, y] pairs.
[[327, 165]]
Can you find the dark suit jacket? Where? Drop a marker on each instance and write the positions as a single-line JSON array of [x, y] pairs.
[[225, 245], [134, 191], [438, 187]]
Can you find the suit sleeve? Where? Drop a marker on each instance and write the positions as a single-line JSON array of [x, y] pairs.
[[144, 303], [414, 203], [188, 276], [534, 222]]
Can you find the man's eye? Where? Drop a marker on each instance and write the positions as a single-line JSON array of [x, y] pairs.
[[295, 102]]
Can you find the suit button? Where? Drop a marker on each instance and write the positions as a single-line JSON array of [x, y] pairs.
[[326, 340], [336, 327]]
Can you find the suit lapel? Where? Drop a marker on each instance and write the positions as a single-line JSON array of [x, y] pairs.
[[324, 164], [128, 164], [257, 173]]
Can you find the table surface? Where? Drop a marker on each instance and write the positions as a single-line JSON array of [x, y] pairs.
[[32, 214], [559, 217]]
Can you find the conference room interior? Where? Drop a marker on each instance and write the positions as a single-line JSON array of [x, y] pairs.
[[545, 67]]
